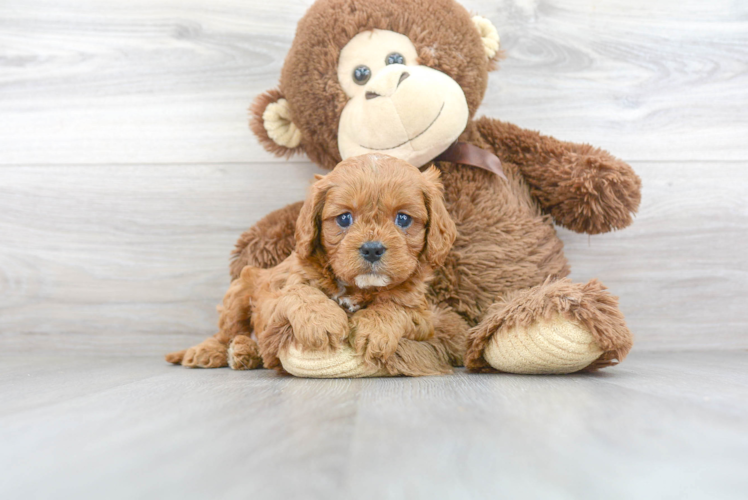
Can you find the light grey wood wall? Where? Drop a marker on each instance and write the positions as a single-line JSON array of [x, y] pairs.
[[127, 169]]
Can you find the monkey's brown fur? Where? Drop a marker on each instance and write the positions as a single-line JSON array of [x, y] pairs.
[[507, 256], [296, 300]]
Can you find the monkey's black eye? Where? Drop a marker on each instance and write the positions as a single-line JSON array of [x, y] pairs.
[[344, 220], [403, 220], [361, 75], [395, 58]]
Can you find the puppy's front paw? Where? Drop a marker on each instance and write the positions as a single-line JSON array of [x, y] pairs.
[[372, 339], [244, 354], [208, 354], [321, 326]]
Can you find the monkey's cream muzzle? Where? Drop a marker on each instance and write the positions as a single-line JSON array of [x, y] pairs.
[[408, 111]]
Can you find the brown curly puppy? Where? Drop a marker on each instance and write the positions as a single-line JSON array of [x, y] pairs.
[[367, 240]]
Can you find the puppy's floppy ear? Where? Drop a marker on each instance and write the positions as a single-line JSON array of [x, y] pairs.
[[308, 223], [441, 231], [272, 122]]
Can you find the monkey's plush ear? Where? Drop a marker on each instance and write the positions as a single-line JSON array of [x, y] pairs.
[[489, 36], [272, 123]]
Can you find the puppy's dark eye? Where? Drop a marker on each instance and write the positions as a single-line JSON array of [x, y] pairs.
[[344, 220], [361, 75], [394, 58], [403, 220]]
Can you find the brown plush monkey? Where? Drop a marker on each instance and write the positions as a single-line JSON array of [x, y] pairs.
[[405, 78]]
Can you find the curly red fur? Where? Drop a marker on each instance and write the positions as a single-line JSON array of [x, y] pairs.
[[296, 300]]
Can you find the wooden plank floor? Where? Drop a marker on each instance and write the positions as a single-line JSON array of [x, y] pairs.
[[663, 425]]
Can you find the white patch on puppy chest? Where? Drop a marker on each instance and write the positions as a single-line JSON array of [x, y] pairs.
[[372, 280]]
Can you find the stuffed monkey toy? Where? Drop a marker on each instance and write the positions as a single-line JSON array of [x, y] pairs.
[[405, 78]]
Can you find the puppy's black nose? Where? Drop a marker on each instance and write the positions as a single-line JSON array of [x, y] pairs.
[[372, 250]]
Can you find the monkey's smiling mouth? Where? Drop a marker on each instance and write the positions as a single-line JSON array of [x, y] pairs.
[[412, 138]]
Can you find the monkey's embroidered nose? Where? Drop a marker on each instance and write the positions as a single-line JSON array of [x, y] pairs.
[[386, 82]]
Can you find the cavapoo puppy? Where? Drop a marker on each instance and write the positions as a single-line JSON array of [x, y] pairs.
[[367, 239]]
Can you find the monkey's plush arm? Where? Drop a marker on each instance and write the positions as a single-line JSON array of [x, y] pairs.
[[267, 243], [583, 188]]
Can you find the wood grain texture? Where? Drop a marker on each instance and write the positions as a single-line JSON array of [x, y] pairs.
[[680, 270], [165, 81], [117, 255], [133, 259], [663, 425]]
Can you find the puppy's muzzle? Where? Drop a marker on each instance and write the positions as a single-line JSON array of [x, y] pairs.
[[372, 251]]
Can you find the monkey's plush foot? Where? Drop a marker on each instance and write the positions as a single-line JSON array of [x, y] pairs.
[[210, 353], [557, 327], [549, 346], [244, 354], [341, 363]]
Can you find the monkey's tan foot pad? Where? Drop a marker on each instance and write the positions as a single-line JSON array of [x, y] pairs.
[[553, 346], [343, 363]]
